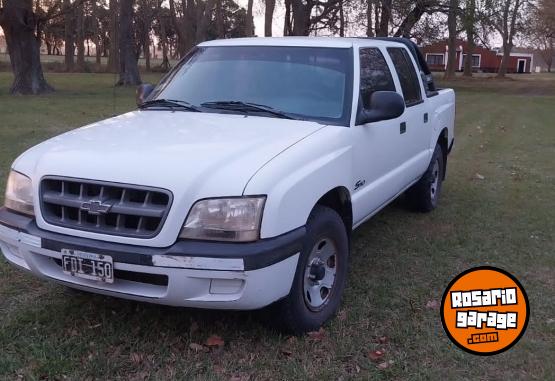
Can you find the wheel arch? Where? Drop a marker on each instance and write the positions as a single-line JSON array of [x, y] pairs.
[[339, 199], [443, 141]]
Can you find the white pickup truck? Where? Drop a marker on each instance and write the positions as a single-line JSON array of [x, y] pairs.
[[238, 181]]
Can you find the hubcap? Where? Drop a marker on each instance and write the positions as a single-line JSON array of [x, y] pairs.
[[435, 181], [319, 276]]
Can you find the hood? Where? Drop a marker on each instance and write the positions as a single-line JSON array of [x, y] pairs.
[[194, 155]]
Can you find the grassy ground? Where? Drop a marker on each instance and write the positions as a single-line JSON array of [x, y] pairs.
[[496, 208]]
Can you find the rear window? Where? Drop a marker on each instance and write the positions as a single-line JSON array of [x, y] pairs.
[[407, 75]]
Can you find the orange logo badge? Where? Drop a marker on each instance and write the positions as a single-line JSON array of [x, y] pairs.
[[485, 310]]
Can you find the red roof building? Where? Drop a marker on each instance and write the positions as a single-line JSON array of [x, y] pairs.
[[483, 59]]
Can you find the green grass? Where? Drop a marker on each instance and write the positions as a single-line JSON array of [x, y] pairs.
[[400, 262]]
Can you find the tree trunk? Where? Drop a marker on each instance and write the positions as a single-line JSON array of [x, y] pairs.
[[268, 17], [412, 18], [249, 27], [163, 41], [204, 13], [549, 60], [301, 18], [341, 21], [96, 36], [505, 60], [469, 27], [69, 36], [80, 41], [383, 30], [508, 32], [287, 27], [113, 55], [146, 52], [19, 25], [369, 30], [451, 42], [129, 70], [220, 27]]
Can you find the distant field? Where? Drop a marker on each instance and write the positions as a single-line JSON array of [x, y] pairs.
[[497, 208]]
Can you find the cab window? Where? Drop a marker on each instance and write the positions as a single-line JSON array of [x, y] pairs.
[[374, 74], [407, 75]]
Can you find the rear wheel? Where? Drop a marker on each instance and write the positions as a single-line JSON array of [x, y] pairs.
[[320, 276], [424, 195]]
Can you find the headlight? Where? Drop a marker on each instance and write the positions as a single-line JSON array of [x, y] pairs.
[[225, 219], [19, 193]]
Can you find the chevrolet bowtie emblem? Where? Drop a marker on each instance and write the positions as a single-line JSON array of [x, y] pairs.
[[96, 207]]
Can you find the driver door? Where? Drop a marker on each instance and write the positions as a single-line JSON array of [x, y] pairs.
[[377, 148]]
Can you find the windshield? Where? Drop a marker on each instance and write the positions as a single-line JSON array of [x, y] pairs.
[[307, 83]]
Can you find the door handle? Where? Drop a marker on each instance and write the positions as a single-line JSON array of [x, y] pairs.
[[403, 127], [426, 117]]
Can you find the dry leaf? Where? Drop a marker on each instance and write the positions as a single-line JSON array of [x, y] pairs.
[[385, 364], [240, 378], [432, 304], [197, 347], [215, 341], [375, 355], [286, 352], [342, 315], [317, 335], [136, 358]]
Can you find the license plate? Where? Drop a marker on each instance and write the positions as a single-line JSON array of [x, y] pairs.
[[88, 265]]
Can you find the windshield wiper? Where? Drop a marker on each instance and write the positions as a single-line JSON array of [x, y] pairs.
[[246, 107], [170, 103]]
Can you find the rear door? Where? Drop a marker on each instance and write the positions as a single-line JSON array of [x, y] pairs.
[[415, 122]]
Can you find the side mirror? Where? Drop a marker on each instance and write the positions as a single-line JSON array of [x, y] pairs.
[[384, 105], [143, 91]]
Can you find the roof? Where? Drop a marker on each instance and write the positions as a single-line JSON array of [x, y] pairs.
[[326, 42]]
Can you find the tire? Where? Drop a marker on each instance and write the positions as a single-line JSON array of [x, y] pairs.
[[424, 195], [323, 262]]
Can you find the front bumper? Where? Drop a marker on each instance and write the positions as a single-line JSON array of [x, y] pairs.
[[189, 273]]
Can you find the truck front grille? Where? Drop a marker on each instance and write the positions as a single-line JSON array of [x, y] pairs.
[[102, 207]]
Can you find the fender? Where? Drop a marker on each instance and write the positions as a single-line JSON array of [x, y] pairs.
[[443, 117], [300, 176]]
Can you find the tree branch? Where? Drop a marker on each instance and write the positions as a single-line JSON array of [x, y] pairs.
[[63, 11]]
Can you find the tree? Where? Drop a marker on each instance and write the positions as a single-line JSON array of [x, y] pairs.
[[129, 70], [502, 15], [19, 23], [300, 17], [543, 30], [469, 24], [80, 36], [415, 14], [69, 36], [452, 49], [249, 27], [382, 26], [270, 6], [113, 56]]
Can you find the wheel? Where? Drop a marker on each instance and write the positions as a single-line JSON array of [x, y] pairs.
[[320, 275], [424, 195]]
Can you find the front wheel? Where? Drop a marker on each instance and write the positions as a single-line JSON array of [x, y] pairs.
[[320, 276], [424, 195]]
